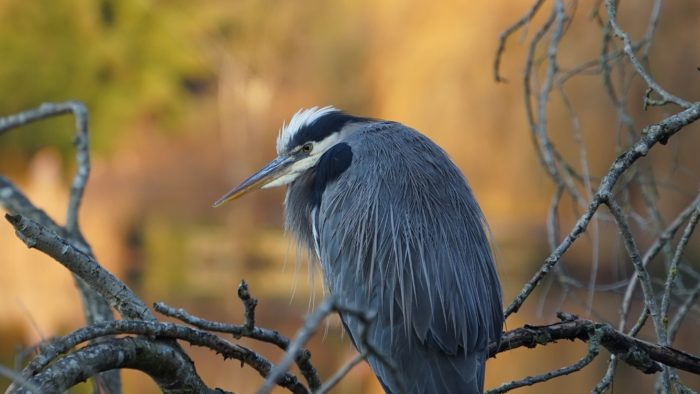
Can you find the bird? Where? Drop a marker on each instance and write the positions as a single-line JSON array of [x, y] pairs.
[[397, 231]]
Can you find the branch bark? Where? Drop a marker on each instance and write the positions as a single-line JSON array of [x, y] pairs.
[[159, 359], [640, 354]]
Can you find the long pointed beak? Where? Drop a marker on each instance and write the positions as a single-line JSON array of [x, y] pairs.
[[273, 170]]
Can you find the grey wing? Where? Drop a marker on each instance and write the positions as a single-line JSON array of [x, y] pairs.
[[400, 233]]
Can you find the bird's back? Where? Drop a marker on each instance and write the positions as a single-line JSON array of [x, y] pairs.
[[399, 232]]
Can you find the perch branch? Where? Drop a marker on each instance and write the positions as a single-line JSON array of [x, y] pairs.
[[248, 330], [637, 353], [159, 359], [593, 349], [158, 330]]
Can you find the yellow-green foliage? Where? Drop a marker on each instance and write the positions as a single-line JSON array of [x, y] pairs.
[[128, 60]]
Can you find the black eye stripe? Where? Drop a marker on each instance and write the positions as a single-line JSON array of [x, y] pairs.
[[321, 128]]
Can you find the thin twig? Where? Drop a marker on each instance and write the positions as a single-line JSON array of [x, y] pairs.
[[503, 37], [311, 324], [303, 359], [673, 269], [682, 311], [80, 113], [593, 349], [640, 269], [663, 238], [340, 374], [19, 381], [612, 19]]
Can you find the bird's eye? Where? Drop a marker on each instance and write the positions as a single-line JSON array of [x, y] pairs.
[[307, 148]]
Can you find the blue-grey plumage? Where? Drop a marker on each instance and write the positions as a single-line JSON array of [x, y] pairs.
[[398, 231]]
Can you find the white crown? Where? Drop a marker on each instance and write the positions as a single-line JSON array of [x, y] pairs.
[[301, 119]]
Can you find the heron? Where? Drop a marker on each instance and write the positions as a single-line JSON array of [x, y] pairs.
[[397, 231]]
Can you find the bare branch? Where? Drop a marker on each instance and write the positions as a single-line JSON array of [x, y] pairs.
[[80, 113], [84, 266], [682, 311], [673, 269], [640, 269], [249, 304], [248, 330], [159, 359], [18, 380], [661, 240], [503, 37], [612, 19], [16, 203], [639, 354], [311, 323], [159, 330], [95, 308], [658, 132], [593, 348], [340, 374]]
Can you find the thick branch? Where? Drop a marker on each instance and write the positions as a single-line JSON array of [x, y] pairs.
[[159, 359], [593, 349], [640, 354], [158, 330], [112, 289]]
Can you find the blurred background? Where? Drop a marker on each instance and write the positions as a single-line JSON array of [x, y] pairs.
[[186, 99]]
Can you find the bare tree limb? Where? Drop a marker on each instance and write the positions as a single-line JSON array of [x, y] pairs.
[[651, 135], [662, 239], [249, 330], [640, 269], [158, 330], [340, 374], [644, 356], [507, 33], [18, 380], [593, 348], [112, 289], [86, 268], [673, 269], [612, 19], [311, 324], [95, 308], [159, 359]]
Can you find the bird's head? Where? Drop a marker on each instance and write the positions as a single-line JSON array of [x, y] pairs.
[[300, 145]]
